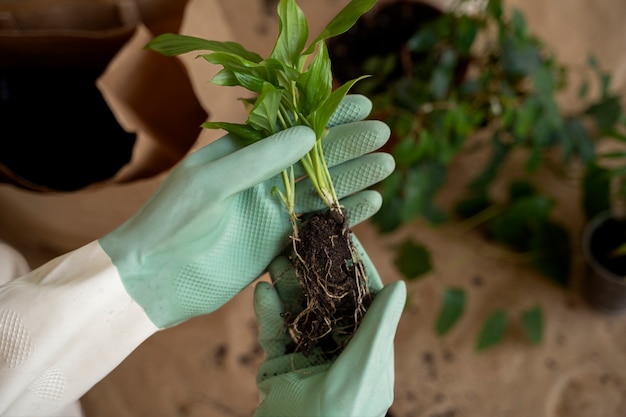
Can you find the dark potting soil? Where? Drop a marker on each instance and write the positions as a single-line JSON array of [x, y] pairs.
[[334, 283], [606, 238]]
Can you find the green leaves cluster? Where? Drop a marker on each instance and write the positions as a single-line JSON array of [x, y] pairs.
[[447, 87], [604, 180], [451, 90], [413, 261], [293, 86], [494, 327]]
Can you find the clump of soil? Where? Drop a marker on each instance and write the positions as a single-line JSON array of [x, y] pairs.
[[334, 282]]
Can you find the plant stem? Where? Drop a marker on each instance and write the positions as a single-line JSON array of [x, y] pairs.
[[315, 166], [327, 190], [478, 219], [289, 199]]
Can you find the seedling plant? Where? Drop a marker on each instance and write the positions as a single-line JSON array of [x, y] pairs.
[[294, 86]]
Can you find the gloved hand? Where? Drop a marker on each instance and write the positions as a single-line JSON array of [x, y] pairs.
[[359, 382], [213, 225]]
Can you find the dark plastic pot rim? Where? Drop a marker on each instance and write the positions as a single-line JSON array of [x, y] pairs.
[[588, 231]]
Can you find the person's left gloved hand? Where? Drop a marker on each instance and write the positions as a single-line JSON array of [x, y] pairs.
[[213, 226], [359, 382]]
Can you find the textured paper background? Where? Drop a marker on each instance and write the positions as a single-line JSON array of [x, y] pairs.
[[206, 367]]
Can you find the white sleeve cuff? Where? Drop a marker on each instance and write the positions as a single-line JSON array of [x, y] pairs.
[[12, 263], [63, 327]]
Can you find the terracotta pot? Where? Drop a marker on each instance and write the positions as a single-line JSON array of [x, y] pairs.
[[604, 284]]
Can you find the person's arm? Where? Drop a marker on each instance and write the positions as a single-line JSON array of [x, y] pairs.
[[63, 327], [210, 229]]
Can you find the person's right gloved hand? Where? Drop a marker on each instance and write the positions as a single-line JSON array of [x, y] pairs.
[[358, 383], [214, 225]]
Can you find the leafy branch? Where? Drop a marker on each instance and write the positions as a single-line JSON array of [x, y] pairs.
[[288, 92], [454, 75]]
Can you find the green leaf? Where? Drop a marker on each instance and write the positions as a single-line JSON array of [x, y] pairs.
[[521, 189], [225, 78], [322, 116], [388, 219], [285, 74], [603, 77], [576, 141], [406, 94], [544, 83], [423, 40], [494, 7], [434, 214], [315, 84], [550, 247], [250, 81], [343, 21], [264, 114], [500, 152], [408, 149], [532, 322], [452, 307], [293, 32], [465, 34], [583, 91], [380, 65], [596, 190], [171, 44], [442, 74], [514, 226], [519, 24], [250, 75], [421, 184], [472, 205], [525, 118], [242, 132], [425, 148], [492, 331], [465, 121], [606, 113], [519, 59], [413, 260]]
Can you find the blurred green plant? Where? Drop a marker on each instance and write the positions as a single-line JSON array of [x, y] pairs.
[[458, 74]]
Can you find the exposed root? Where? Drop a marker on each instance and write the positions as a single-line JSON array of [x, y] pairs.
[[333, 279]]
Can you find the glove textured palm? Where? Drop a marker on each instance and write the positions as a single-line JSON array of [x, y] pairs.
[[213, 226], [359, 382]]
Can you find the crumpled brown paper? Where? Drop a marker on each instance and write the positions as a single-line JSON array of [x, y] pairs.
[[207, 366]]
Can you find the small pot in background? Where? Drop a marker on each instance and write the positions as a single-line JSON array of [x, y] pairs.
[[604, 283]]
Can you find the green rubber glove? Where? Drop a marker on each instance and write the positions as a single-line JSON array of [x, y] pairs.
[[359, 382], [213, 225]]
